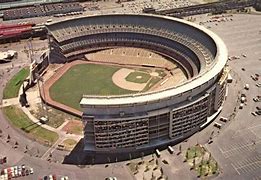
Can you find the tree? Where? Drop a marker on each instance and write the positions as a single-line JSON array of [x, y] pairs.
[[130, 156], [201, 162], [26, 149], [200, 170], [8, 138], [142, 157], [187, 155], [207, 169], [194, 163], [195, 154], [153, 177], [161, 170], [147, 168]]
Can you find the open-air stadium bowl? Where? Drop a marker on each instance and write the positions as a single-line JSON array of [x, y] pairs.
[[150, 120]]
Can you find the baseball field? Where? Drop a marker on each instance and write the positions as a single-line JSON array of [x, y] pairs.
[[96, 79], [88, 79]]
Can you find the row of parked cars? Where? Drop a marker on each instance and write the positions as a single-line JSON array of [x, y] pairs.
[[257, 99], [54, 177], [257, 112], [15, 171]]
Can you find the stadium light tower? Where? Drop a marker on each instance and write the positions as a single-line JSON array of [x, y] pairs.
[[30, 49], [40, 88]]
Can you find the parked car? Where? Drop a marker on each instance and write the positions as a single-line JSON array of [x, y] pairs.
[[31, 170], [258, 84], [253, 113]]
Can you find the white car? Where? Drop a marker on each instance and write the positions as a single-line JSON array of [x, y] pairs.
[[31, 170], [12, 172], [16, 171], [50, 177]]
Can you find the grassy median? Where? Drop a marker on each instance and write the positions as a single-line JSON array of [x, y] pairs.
[[11, 90], [20, 120]]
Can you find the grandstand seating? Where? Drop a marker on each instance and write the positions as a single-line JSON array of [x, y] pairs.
[[4, 1], [70, 32], [131, 56], [80, 36]]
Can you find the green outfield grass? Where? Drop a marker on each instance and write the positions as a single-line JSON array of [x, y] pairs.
[[132, 77], [88, 79], [11, 90], [20, 120], [151, 83]]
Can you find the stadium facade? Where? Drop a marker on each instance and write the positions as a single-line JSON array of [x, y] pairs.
[[151, 120]]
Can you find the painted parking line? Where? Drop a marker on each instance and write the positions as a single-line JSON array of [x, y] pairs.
[[230, 146], [247, 165], [250, 167], [242, 131], [247, 149], [257, 178], [247, 161], [241, 146], [235, 169], [256, 131]]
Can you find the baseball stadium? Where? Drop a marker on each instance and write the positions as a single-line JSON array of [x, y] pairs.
[[139, 82]]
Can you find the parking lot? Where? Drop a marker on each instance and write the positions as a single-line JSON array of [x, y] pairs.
[[238, 146]]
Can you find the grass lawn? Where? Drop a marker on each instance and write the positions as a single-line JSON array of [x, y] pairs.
[[151, 83], [74, 128], [138, 77], [207, 168], [12, 88], [20, 120], [201, 161], [69, 143], [195, 151], [88, 79]]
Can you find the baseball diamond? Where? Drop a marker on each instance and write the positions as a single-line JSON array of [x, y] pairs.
[[145, 120]]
